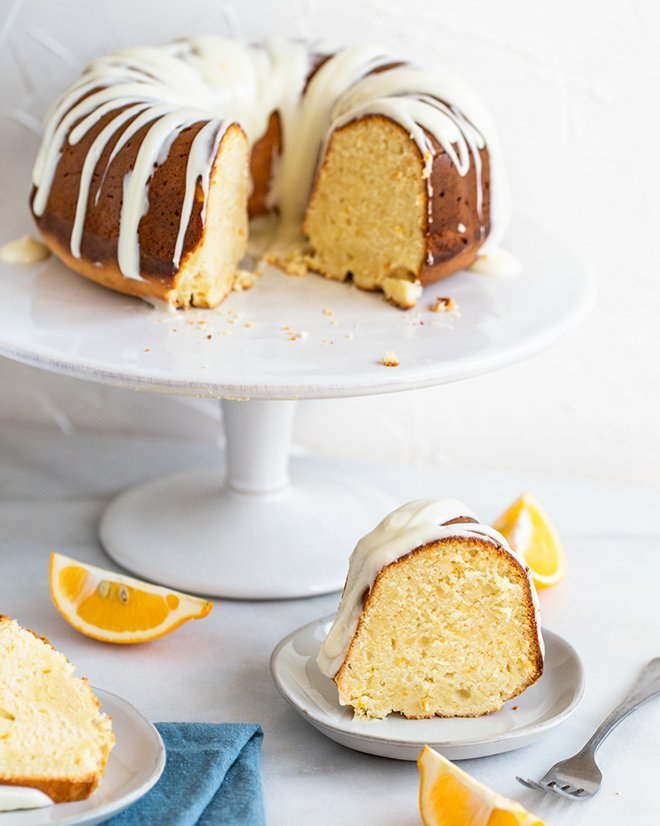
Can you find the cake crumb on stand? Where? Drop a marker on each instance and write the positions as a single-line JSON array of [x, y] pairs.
[[292, 257], [444, 304], [401, 292], [244, 280], [390, 359]]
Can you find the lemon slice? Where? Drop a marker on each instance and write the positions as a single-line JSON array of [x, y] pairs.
[[115, 608], [448, 796], [529, 531]]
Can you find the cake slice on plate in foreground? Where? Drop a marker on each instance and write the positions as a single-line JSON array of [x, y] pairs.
[[439, 617], [52, 735]]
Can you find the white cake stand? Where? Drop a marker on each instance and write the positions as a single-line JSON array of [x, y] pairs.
[[258, 528]]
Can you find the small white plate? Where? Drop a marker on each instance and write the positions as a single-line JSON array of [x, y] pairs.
[[135, 764], [522, 720]]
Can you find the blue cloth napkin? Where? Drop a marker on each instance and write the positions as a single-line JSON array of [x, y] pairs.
[[212, 775]]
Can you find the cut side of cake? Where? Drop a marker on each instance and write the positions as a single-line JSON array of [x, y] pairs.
[[52, 735], [438, 618], [367, 215], [379, 216], [207, 273]]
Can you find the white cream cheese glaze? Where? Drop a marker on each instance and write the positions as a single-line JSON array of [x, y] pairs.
[[409, 527], [13, 798], [499, 262], [23, 250], [219, 81]]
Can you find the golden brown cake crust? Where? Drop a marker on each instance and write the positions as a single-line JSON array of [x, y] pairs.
[[453, 203], [59, 791], [109, 275], [520, 574]]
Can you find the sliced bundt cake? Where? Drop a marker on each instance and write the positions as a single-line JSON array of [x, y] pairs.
[[153, 160], [438, 618]]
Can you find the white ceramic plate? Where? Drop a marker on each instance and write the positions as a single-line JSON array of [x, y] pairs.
[[135, 764], [522, 720]]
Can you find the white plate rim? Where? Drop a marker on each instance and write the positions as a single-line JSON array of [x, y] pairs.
[[525, 732], [118, 805]]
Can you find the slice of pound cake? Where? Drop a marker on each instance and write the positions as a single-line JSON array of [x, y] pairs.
[[439, 617], [52, 735]]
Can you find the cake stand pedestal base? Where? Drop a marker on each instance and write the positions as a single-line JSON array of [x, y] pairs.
[[250, 532]]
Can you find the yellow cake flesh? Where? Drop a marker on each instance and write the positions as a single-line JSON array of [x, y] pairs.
[[367, 213], [208, 272], [448, 630]]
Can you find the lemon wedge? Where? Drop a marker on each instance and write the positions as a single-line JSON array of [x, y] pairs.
[[530, 533], [115, 608], [448, 796]]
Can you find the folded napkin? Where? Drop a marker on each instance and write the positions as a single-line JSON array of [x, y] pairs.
[[212, 776]]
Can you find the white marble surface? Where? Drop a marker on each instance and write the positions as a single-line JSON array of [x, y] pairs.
[[53, 488]]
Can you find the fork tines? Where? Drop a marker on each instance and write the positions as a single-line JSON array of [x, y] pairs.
[[565, 790]]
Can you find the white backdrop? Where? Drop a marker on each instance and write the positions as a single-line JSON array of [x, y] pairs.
[[574, 89]]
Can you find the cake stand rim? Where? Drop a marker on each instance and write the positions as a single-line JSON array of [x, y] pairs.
[[391, 380]]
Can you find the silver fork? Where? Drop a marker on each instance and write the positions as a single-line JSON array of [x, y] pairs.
[[578, 777]]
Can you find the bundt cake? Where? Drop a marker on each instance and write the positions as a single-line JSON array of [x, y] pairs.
[[438, 618], [153, 161], [52, 735]]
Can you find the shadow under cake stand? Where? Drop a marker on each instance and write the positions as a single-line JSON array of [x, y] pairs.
[[263, 526]]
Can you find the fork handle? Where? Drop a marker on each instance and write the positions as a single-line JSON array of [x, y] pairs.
[[647, 686]]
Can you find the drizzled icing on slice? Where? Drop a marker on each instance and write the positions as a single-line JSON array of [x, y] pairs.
[[16, 798], [405, 529], [215, 82]]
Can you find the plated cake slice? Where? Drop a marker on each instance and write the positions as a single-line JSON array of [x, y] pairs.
[[439, 617], [52, 735]]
